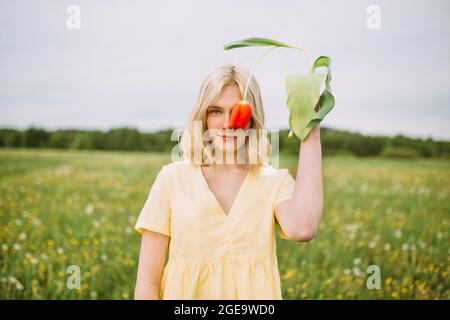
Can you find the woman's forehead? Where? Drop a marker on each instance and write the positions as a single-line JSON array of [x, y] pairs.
[[229, 96]]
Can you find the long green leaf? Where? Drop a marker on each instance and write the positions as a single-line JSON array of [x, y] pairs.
[[255, 42]]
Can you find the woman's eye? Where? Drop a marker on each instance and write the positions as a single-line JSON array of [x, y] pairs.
[[216, 112]]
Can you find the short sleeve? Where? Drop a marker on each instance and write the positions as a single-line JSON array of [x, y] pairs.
[[156, 212], [285, 192], [286, 188]]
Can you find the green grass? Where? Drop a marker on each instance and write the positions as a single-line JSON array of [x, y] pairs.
[[62, 207]]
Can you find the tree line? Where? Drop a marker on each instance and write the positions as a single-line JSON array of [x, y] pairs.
[[334, 142]]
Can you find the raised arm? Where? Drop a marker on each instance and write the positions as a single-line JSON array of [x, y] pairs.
[[152, 258], [299, 217]]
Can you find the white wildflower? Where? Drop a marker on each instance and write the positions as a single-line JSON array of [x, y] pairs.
[[12, 279], [93, 294], [357, 272], [422, 244], [89, 209]]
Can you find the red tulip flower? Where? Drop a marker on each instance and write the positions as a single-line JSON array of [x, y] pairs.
[[240, 115]]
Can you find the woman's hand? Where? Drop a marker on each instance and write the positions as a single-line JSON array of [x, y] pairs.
[[313, 135]]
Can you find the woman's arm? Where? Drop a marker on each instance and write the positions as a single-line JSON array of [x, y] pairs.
[[299, 217], [152, 258]]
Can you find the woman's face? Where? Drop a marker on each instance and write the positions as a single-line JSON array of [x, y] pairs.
[[218, 117]]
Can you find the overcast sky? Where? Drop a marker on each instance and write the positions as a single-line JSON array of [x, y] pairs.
[[140, 63]]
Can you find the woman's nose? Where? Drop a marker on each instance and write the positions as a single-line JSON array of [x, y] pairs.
[[226, 120]]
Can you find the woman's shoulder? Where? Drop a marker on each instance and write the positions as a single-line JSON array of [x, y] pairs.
[[172, 174], [272, 177], [176, 168], [271, 171], [177, 164]]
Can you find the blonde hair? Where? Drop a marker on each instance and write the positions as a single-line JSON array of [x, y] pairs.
[[210, 90]]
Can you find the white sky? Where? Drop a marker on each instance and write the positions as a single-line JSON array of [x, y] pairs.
[[140, 63]]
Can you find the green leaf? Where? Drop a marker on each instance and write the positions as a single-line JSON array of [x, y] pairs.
[[303, 96], [255, 42], [326, 101], [303, 93], [322, 61]]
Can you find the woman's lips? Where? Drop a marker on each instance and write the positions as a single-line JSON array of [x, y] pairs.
[[228, 138]]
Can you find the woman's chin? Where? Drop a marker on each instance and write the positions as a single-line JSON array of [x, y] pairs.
[[227, 146], [224, 146]]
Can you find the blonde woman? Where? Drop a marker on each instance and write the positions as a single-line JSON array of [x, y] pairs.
[[214, 215]]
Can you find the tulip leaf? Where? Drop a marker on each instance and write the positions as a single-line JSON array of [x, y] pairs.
[[303, 97], [303, 93], [255, 42]]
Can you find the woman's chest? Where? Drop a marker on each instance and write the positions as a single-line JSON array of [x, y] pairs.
[[225, 190], [198, 203], [198, 219]]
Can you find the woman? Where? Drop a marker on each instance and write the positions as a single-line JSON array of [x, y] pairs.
[[215, 217]]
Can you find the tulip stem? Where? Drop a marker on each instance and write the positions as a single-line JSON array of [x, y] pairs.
[[266, 52], [307, 54], [253, 69]]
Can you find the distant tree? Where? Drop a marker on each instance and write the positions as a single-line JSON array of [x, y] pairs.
[[123, 139], [10, 138], [62, 138], [36, 138]]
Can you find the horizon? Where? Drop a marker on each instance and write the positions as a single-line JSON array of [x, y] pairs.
[[173, 129]]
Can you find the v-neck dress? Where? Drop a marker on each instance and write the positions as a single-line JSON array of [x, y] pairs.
[[214, 255]]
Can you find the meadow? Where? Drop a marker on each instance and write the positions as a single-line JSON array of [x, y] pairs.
[[61, 207]]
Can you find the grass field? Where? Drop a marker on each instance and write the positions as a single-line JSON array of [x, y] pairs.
[[60, 208]]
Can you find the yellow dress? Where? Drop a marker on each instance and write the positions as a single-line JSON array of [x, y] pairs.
[[213, 255]]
